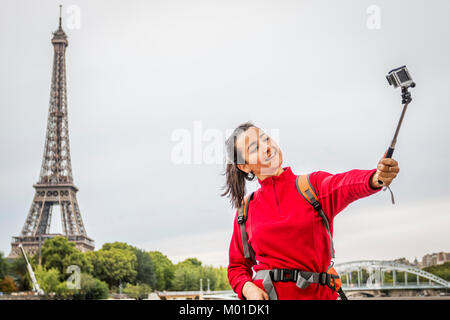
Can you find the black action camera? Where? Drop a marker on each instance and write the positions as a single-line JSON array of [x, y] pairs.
[[400, 77]]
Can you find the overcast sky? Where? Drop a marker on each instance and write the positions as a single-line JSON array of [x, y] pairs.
[[312, 72]]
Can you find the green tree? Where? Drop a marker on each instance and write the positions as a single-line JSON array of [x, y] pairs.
[[164, 271], [192, 261], [187, 275], [18, 270], [138, 292], [222, 279], [442, 270], [59, 253], [145, 268], [209, 273], [189, 272], [54, 251], [117, 245], [48, 280], [114, 265], [91, 288], [3, 266], [62, 291], [79, 259]]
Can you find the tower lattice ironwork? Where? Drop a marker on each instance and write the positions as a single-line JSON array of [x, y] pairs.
[[55, 186]]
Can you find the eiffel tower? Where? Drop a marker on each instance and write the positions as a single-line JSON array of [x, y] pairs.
[[55, 186]]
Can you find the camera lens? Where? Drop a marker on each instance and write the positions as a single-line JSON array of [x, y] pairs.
[[403, 76]]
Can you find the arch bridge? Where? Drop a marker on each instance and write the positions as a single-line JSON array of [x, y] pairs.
[[370, 275]]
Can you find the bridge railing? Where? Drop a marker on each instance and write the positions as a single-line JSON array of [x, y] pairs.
[[390, 286], [377, 269]]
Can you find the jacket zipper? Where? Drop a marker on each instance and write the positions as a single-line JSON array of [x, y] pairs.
[[276, 197]]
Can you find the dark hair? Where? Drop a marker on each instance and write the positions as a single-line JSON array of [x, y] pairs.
[[235, 177]]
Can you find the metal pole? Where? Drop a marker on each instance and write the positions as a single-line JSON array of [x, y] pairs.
[[201, 285], [391, 148], [406, 279], [40, 250], [359, 278], [394, 275], [394, 140]]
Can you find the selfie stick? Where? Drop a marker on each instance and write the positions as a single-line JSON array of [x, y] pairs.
[[406, 99]]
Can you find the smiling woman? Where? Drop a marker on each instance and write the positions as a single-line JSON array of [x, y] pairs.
[[251, 152], [281, 247]]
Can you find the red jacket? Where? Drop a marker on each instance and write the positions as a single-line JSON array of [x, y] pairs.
[[286, 232]]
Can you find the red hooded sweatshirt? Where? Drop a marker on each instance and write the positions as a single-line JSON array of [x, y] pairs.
[[286, 232]]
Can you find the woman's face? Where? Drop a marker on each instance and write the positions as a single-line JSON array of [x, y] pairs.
[[262, 155]]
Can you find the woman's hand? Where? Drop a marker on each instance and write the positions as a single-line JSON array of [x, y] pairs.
[[387, 170], [252, 292]]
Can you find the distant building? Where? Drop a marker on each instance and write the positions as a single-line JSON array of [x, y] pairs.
[[428, 260], [434, 259], [402, 261]]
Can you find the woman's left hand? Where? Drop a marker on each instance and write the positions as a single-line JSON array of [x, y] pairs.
[[387, 170]]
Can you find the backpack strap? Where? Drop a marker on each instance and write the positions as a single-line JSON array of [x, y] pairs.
[[305, 188], [242, 214]]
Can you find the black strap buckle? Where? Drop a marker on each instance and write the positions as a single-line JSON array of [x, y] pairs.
[[325, 279], [284, 275], [316, 205]]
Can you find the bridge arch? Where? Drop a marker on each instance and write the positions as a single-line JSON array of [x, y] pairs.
[[378, 265]]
